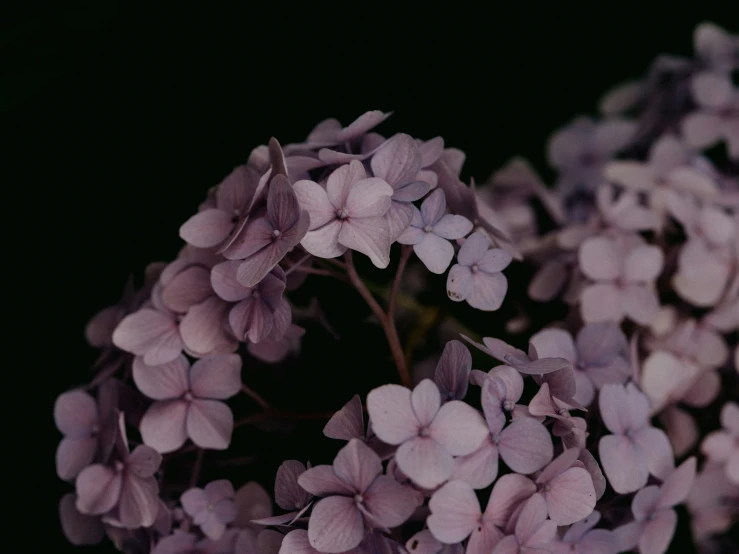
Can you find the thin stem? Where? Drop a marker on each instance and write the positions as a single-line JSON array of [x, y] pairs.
[[297, 264], [387, 322], [196, 468], [254, 395], [405, 254], [279, 414]]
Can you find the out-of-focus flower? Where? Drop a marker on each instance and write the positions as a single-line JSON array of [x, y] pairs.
[[723, 446], [211, 508], [718, 115]]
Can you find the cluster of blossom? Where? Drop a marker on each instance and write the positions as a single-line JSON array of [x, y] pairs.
[[586, 442]]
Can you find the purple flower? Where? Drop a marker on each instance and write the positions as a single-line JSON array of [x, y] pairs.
[[456, 513], [357, 495], [524, 444], [429, 230], [452, 374], [533, 531], [655, 520], [268, 236], [188, 401], [723, 446], [572, 430], [252, 503], [624, 213], [505, 396], [76, 416], [635, 449], [716, 47], [567, 488], [718, 115], [597, 355], [211, 508], [623, 276], [125, 491], [215, 224], [580, 150], [477, 276], [260, 310], [348, 213], [398, 163], [428, 434], [530, 364], [297, 542], [581, 537]]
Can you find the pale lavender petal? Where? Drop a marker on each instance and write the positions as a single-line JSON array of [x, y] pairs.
[[209, 424], [162, 382], [473, 249], [313, 198], [643, 264], [458, 427], [335, 525], [324, 241], [368, 235], [357, 465], [423, 542], [488, 291], [398, 219], [389, 503], [548, 281], [143, 462], [348, 422], [139, 502], [560, 464], [207, 228], [600, 259], [216, 377], [454, 227], [75, 413], [151, 334], [425, 400], [601, 302], [484, 539], [624, 465], [98, 489], [554, 343], [163, 425], [459, 283], [224, 283], [73, 455], [592, 467], [525, 446], [507, 495], [494, 260], [507, 545], [657, 451], [658, 533], [571, 496], [361, 125], [598, 342], [435, 252], [410, 192], [194, 501], [251, 319], [189, 287], [531, 518], [701, 129], [390, 410], [368, 198], [478, 469], [512, 380], [397, 161], [455, 512], [204, 328], [322, 481], [427, 463]]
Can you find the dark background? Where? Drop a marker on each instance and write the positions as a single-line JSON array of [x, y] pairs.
[[118, 119]]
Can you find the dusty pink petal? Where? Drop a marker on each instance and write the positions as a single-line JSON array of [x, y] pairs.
[[73, 455], [342, 179], [425, 462], [203, 328], [368, 235], [508, 545], [98, 489], [623, 408], [189, 287], [473, 249], [458, 427], [397, 161], [391, 412], [677, 485], [584, 389], [322, 481], [335, 525], [425, 400], [324, 241], [139, 502], [562, 383], [554, 343], [455, 227], [357, 465], [658, 532], [143, 462], [251, 319], [217, 377], [657, 451], [643, 264], [455, 512], [640, 303], [478, 469], [207, 228], [194, 501], [494, 260], [704, 390], [625, 466], [459, 283], [389, 503], [531, 519], [361, 125], [484, 539], [525, 446], [224, 283], [398, 219], [75, 413], [730, 418], [508, 493], [600, 259], [571, 497], [681, 429], [634, 175], [151, 334], [424, 542], [348, 422], [163, 425], [80, 529], [711, 89], [435, 252], [560, 464], [701, 129], [601, 302], [164, 381], [512, 380], [295, 542], [313, 198], [209, 424]]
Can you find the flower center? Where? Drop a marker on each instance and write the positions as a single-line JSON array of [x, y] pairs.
[[276, 233], [95, 429], [119, 465], [341, 214], [358, 499], [428, 229], [255, 294], [562, 412], [495, 438], [424, 432], [508, 405], [211, 507], [474, 268], [187, 397]]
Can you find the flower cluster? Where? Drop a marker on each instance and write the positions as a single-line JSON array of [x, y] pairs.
[[585, 441]]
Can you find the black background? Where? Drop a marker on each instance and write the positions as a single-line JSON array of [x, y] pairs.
[[118, 119]]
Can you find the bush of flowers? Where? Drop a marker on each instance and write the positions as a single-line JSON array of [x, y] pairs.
[[607, 391]]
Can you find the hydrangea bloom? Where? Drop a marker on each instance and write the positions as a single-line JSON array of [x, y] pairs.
[[212, 507], [723, 446], [719, 115]]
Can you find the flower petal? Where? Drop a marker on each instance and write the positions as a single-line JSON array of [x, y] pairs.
[[370, 236], [571, 496], [324, 241], [162, 382], [98, 489], [389, 503], [488, 291], [458, 427], [459, 283], [207, 228], [427, 463], [478, 469], [335, 525], [455, 512], [525, 446], [216, 377], [357, 465], [600, 259], [163, 425], [209, 424], [435, 252], [393, 419], [625, 466]]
